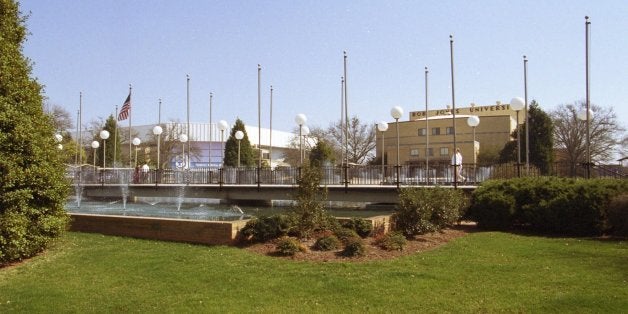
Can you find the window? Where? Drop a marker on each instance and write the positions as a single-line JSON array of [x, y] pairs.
[[450, 130], [422, 132], [444, 151], [435, 131], [414, 152], [430, 151]]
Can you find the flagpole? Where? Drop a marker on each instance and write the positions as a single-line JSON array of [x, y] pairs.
[[211, 96], [115, 138], [78, 114], [80, 135], [130, 114], [187, 131], [270, 138]]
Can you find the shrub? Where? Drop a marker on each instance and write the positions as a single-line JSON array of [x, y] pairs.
[[392, 241], [327, 243], [361, 226], [289, 246], [309, 212], [266, 228], [344, 234], [618, 216], [423, 210], [354, 247], [548, 204]]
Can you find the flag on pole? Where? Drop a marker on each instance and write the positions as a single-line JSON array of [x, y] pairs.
[[126, 107]]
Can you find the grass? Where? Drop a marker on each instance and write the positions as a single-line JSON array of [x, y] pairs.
[[483, 272]]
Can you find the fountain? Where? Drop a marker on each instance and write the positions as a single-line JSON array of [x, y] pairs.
[[123, 177], [78, 187]]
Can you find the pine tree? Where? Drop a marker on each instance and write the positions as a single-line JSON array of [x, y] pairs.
[[247, 155], [33, 189]]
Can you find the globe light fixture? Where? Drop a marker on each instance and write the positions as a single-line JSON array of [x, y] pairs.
[[222, 126], [239, 135], [104, 135], [136, 142], [157, 130], [300, 119], [95, 146], [397, 112]]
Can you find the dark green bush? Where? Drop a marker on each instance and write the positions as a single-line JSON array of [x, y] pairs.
[[618, 216], [289, 246], [392, 241], [361, 226], [327, 243], [547, 204], [354, 247], [345, 234], [266, 228], [423, 210]]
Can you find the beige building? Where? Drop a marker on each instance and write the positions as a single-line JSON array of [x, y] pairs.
[[497, 122]]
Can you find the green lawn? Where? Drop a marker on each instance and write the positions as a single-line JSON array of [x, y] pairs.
[[482, 272]]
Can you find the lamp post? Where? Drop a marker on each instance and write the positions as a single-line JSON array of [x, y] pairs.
[[586, 115], [95, 146], [587, 25], [382, 126], [517, 104], [157, 130], [474, 121], [136, 143], [396, 112], [104, 134], [239, 135], [222, 126], [300, 119], [427, 134], [305, 132]]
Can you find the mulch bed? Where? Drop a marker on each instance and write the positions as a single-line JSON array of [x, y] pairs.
[[373, 252]]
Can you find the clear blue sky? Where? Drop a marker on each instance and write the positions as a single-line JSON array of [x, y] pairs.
[[100, 47]]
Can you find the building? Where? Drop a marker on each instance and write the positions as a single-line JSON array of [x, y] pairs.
[[497, 122]]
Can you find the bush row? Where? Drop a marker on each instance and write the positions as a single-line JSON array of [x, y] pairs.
[[552, 205]]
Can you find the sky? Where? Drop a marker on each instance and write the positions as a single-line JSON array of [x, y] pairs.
[[98, 48]]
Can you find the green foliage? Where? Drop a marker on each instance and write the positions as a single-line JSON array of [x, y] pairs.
[[618, 215], [344, 234], [322, 154], [423, 210], [267, 228], [392, 241], [354, 246], [289, 246], [309, 212], [547, 204], [247, 154], [541, 141], [361, 226], [33, 189], [327, 243]]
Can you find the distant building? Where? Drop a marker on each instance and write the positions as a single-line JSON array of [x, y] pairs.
[[497, 122]]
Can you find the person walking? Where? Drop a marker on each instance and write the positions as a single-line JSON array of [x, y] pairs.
[[456, 161]]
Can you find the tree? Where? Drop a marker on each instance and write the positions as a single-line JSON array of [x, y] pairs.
[[360, 144], [247, 155], [33, 189], [322, 154], [110, 125], [541, 141], [605, 135]]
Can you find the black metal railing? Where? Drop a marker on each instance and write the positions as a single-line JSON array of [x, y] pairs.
[[436, 174]]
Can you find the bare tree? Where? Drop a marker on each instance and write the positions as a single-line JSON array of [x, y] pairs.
[[606, 134], [360, 144], [61, 118]]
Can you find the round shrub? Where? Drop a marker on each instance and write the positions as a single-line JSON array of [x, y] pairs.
[[266, 228], [345, 234], [392, 241], [361, 226], [493, 210], [354, 247], [618, 216], [289, 246], [327, 243]]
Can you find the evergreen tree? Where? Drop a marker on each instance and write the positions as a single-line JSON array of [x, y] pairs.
[[322, 154], [33, 189], [541, 141], [247, 154]]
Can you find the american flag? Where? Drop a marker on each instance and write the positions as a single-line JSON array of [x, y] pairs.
[[126, 107]]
